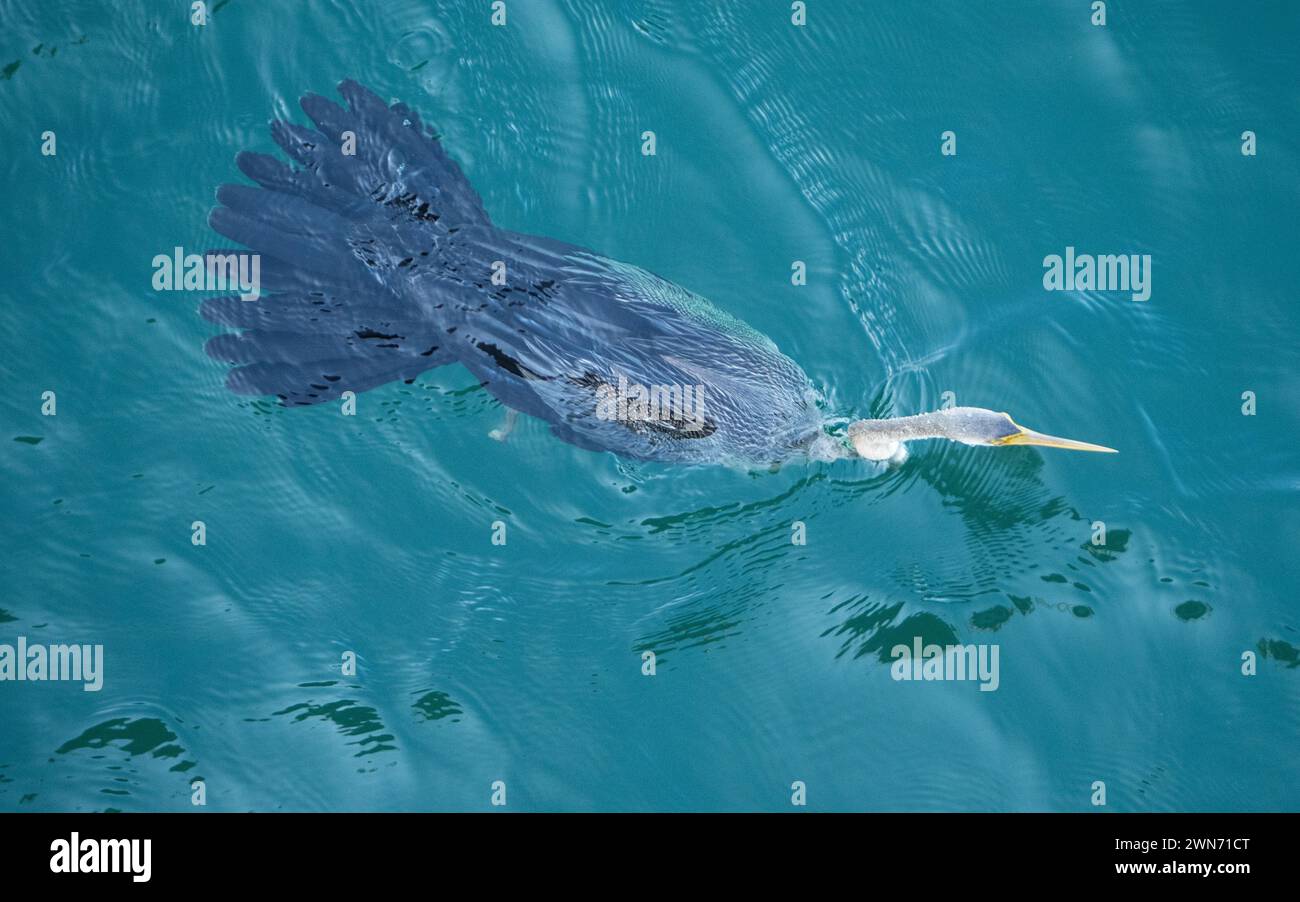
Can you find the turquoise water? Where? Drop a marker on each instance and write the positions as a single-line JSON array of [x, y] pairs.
[[1120, 662]]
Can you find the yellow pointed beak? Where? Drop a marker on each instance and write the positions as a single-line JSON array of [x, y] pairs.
[[1030, 437]]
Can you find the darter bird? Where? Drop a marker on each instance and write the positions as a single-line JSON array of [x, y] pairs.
[[380, 264]]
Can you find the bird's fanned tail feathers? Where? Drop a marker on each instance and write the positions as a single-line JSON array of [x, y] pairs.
[[335, 236]]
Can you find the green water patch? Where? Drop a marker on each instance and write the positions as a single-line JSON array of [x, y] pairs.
[[1116, 544], [351, 719], [1192, 610], [871, 631], [436, 705], [143, 735], [1280, 651], [992, 618]]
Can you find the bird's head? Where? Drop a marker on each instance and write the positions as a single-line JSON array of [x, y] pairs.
[[883, 439]]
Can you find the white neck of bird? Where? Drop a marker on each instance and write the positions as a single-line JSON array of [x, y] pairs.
[[884, 439], [937, 424]]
